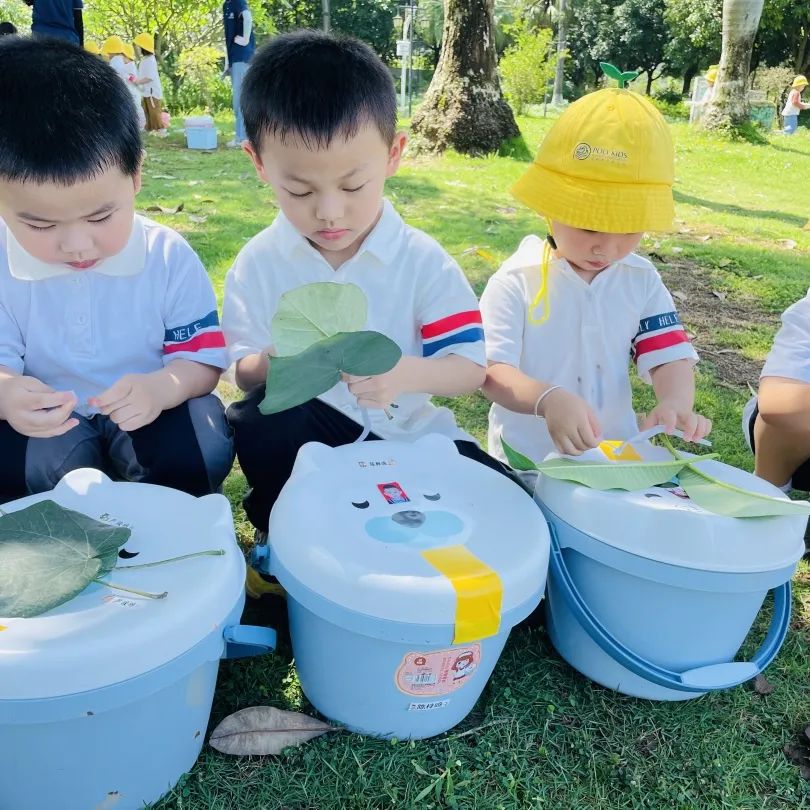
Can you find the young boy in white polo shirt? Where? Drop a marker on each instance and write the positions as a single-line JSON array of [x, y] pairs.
[[320, 114], [110, 343], [776, 422], [563, 316]]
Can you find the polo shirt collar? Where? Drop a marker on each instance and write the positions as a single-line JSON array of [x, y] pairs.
[[383, 242], [129, 262]]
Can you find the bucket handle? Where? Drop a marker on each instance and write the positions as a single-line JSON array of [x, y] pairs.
[[245, 641], [709, 678]]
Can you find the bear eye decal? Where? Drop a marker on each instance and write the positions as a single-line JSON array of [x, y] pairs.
[[360, 504], [435, 497]]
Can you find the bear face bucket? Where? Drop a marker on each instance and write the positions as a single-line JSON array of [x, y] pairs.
[[406, 565], [104, 700], [651, 595]]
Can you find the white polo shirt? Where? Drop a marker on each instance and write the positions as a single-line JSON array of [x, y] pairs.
[[790, 354], [585, 345], [148, 69], [81, 330], [417, 296]]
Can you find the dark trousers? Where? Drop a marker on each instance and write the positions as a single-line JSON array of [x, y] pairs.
[[267, 446], [187, 448]]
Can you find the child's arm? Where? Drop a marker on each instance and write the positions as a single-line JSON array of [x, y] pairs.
[[446, 376], [674, 386], [138, 399], [252, 370], [33, 408], [571, 423]]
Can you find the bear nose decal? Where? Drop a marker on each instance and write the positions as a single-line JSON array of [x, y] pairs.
[[412, 518]]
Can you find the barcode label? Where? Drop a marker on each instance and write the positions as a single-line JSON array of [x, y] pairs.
[[425, 678], [426, 707]]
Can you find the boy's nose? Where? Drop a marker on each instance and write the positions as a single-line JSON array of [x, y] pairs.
[[76, 240], [330, 209]]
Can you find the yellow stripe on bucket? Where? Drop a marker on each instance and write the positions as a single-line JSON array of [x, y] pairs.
[[478, 588], [609, 448]]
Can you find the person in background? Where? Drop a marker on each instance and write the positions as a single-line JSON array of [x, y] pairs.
[[794, 105], [57, 18], [148, 82], [92, 47], [122, 58], [7, 29], [240, 44]]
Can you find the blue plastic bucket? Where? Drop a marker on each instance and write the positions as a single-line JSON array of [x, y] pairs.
[[375, 626], [105, 700], [652, 596]]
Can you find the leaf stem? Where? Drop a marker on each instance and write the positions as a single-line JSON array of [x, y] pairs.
[[145, 594], [216, 552]]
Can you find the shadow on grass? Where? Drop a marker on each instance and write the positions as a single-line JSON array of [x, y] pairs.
[[752, 213]]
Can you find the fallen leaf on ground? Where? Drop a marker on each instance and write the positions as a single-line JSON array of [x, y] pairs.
[[762, 686], [677, 250], [724, 262], [198, 218], [789, 244], [163, 177], [264, 730], [506, 210], [705, 238], [681, 296], [164, 209], [718, 294]]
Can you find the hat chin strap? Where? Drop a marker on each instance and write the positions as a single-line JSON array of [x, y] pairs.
[[541, 299]]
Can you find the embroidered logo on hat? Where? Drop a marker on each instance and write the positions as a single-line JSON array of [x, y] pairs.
[[582, 152]]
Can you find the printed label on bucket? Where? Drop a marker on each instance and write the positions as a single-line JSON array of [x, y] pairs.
[[439, 672], [426, 707]]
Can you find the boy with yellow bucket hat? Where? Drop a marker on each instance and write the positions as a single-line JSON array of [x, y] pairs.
[[149, 84], [794, 105], [563, 315]]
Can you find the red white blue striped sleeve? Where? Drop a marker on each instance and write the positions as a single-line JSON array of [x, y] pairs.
[[452, 331], [661, 339]]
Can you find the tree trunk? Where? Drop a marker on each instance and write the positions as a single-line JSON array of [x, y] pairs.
[[559, 73], [464, 107], [648, 91], [728, 106], [688, 75]]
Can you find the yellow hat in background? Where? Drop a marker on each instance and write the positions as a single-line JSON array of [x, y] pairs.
[[711, 74], [146, 42], [92, 47], [128, 51], [112, 45], [607, 165], [799, 81]]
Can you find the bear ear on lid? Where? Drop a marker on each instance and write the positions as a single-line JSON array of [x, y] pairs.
[[312, 456], [437, 442]]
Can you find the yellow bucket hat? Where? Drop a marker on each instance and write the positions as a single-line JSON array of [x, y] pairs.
[[607, 165], [92, 47], [128, 51], [711, 74], [799, 81], [146, 42], [112, 45]]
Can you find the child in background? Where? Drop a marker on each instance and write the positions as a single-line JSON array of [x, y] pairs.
[[794, 105], [321, 120], [130, 76], [563, 315], [148, 82], [110, 344], [114, 49]]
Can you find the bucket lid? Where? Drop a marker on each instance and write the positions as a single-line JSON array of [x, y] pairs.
[[393, 530], [198, 121], [664, 525], [104, 636]]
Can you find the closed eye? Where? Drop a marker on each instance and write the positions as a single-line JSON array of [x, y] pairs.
[[360, 504], [299, 196], [435, 497], [352, 190], [98, 221]]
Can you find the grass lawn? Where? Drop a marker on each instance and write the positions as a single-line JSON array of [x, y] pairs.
[[542, 736]]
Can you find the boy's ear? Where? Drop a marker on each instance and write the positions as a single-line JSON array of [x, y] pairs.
[[396, 152], [256, 160]]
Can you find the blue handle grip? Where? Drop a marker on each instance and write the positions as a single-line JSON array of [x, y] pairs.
[[701, 679], [244, 640]]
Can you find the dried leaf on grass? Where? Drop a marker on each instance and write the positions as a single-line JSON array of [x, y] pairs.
[[789, 244], [164, 209], [762, 686], [798, 752], [264, 730]]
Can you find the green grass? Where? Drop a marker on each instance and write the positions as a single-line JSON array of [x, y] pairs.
[[541, 736]]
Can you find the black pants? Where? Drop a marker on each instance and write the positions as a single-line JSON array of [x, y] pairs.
[[267, 446], [187, 448]]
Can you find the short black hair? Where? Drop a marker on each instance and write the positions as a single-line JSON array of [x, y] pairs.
[[7, 28], [67, 115], [317, 86]]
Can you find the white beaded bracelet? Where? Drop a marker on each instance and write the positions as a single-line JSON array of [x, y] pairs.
[[542, 397]]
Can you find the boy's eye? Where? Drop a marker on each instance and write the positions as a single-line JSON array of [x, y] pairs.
[[103, 219], [352, 190], [39, 227], [299, 196]]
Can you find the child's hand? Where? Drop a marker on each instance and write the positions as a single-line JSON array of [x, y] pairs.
[[572, 425], [673, 415], [132, 402], [380, 390], [35, 409]]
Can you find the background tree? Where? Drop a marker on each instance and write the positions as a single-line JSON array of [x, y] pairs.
[[17, 13], [784, 35], [642, 38], [464, 107], [728, 106], [592, 38], [527, 66], [695, 32]]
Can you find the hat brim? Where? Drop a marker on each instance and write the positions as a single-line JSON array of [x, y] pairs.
[[594, 205]]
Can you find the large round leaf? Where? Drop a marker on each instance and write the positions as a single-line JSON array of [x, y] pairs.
[[313, 312], [294, 380], [49, 554]]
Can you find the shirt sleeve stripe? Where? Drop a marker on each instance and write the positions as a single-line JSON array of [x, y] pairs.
[[180, 334], [207, 340], [430, 330], [472, 335], [656, 322], [664, 341]]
